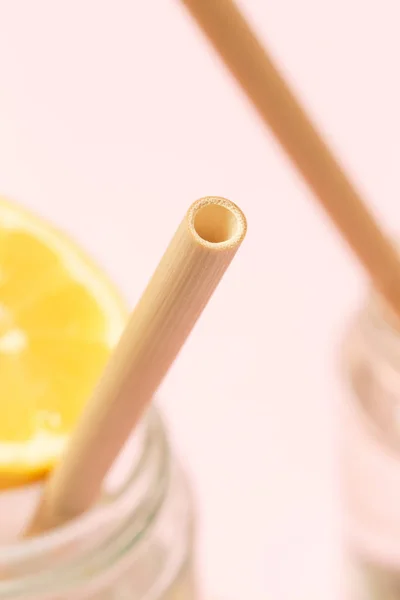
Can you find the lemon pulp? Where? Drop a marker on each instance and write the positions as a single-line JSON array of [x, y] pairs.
[[59, 320]]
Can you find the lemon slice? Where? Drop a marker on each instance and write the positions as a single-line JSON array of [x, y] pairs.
[[59, 320]]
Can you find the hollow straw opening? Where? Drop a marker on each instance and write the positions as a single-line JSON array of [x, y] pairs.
[[217, 221]]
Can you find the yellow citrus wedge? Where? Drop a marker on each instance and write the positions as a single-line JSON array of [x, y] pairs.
[[60, 317]]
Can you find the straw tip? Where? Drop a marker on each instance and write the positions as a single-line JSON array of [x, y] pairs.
[[217, 223]]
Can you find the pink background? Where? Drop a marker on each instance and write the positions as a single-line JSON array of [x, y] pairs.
[[114, 116]]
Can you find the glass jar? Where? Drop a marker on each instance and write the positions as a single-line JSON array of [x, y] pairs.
[[136, 544], [370, 422]]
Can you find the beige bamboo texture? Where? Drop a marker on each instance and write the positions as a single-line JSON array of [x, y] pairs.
[[255, 71], [180, 288]]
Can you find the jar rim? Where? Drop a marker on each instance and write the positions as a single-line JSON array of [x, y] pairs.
[[117, 511], [377, 319], [374, 335]]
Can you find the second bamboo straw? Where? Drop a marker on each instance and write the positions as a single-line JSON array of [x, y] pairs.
[[254, 69]]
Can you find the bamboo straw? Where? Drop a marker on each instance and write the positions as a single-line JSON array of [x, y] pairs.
[[179, 290], [255, 71]]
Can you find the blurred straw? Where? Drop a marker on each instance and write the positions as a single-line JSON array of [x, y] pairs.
[[249, 62]]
